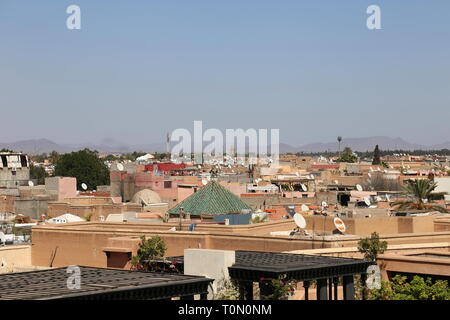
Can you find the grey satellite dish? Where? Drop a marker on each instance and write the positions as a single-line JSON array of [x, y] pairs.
[[120, 167], [84, 186], [304, 188], [30, 183], [299, 221], [359, 188]]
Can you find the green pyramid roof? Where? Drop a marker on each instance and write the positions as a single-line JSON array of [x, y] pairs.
[[211, 199]]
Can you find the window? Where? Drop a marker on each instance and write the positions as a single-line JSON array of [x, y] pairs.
[[4, 162]]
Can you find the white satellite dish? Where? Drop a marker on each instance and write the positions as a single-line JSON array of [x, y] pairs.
[[336, 182], [370, 175], [371, 169], [204, 182], [378, 198], [388, 198], [359, 188], [297, 174], [339, 224], [84, 186], [304, 188], [324, 204], [305, 207], [311, 176], [31, 183], [367, 201], [299, 221], [120, 167], [378, 169]]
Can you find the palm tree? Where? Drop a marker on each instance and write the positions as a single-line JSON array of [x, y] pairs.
[[339, 139], [419, 191]]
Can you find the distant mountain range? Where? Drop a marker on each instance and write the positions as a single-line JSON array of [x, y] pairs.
[[37, 146]]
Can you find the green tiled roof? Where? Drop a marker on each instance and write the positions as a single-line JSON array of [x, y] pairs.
[[211, 199]]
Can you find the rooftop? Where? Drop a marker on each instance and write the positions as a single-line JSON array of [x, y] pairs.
[[99, 284]]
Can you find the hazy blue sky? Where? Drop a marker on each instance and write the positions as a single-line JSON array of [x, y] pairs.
[[138, 69]]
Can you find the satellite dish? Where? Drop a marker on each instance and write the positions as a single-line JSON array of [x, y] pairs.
[[336, 182], [370, 175], [31, 183], [367, 201], [359, 188], [378, 169], [297, 174], [324, 204], [305, 207], [84, 186], [378, 198], [339, 224], [311, 176], [120, 167], [388, 198], [304, 188], [299, 221], [204, 182], [371, 169]]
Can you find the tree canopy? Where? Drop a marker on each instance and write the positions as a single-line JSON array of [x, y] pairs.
[[85, 165], [416, 289], [149, 249], [376, 156], [420, 192], [348, 156], [372, 247]]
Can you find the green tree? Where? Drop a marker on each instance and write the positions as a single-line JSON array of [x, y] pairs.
[[348, 156], [420, 193], [86, 166], [6, 150], [372, 247], [149, 250], [376, 156], [417, 289], [281, 288], [38, 173], [54, 157]]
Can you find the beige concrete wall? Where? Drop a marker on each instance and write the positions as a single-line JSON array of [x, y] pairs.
[[83, 243], [14, 256]]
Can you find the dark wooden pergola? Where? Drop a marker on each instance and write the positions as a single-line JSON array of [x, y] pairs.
[[101, 284], [327, 271]]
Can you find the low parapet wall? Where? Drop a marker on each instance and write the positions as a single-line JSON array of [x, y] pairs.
[[83, 243]]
